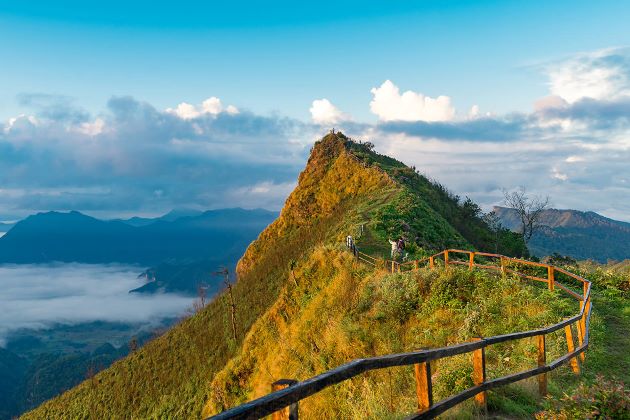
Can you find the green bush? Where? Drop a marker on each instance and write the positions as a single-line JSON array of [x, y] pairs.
[[604, 399], [400, 297]]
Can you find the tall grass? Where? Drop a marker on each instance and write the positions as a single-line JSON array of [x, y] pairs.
[[341, 311]]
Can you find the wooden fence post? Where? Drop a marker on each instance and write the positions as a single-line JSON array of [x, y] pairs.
[[287, 413], [471, 262], [502, 266], [542, 361], [571, 347], [550, 277], [431, 263], [585, 287], [580, 336], [582, 323], [424, 389], [415, 265], [479, 373], [393, 262], [445, 258]]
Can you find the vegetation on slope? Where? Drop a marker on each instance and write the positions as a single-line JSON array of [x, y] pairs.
[[603, 388], [343, 186], [339, 310]]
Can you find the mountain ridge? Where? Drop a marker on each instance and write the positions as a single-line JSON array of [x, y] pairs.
[[577, 234], [345, 185], [76, 237]]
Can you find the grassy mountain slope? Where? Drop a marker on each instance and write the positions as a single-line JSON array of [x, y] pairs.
[[344, 185]]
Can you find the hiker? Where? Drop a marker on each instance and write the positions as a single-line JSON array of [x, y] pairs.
[[400, 245], [394, 245], [349, 241]]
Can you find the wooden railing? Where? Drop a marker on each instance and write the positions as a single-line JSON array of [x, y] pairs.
[[283, 403]]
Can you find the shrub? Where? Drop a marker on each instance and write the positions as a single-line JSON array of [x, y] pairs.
[[400, 297], [604, 399]]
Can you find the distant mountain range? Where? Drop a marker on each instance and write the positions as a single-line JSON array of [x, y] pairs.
[[581, 235], [75, 237], [184, 246]]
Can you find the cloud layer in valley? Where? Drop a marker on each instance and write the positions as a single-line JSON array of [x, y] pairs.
[[40, 296]]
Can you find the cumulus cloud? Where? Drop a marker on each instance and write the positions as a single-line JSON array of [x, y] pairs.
[[600, 75], [211, 106], [324, 112], [40, 296], [390, 105]]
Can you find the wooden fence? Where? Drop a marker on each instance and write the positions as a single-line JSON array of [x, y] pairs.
[[283, 402]]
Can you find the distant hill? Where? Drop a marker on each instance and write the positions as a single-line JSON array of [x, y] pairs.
[[581, 235], [171, 216], [75, 237]]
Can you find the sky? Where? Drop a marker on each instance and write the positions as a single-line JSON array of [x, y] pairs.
[[134, 108]]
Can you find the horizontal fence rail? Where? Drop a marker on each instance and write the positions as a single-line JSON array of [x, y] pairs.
[[283, 402]]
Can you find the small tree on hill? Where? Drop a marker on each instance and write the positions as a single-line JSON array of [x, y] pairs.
[[529, 210], [226, 280]]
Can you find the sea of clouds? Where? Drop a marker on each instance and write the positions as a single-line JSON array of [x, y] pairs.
[[41, 296]]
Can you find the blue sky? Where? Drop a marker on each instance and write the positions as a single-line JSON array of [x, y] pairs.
[[279, 56], [65, 66]]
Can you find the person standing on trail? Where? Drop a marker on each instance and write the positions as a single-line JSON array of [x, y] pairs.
[[401, 245], [394, 245]]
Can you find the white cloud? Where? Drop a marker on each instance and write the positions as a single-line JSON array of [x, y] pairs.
[[555, 173], [21, 121], [210, 106], [324, 112], [474, 112], [602, 75], [574, 159], [114, 163], [549, 102], [93, 128], [389, 105], [268, 194]]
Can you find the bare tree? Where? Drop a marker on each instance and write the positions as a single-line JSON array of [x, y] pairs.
[[201, 300], [226, 280], [133, 344], [292, 265], [529, 210]]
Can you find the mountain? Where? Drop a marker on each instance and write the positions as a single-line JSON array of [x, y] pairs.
[[179, 213], [5, 227], [297, 270], [171, 216], [580, 235], [221, 235]]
